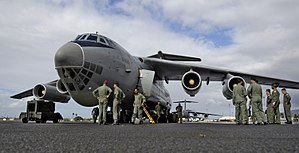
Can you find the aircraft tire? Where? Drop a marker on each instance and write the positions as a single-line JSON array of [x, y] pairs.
[[44, 120], [25, 120], [55, 120]]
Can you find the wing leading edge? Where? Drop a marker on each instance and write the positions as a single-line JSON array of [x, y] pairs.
[[171, 70]]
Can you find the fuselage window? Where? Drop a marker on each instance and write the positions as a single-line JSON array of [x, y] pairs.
[[92, 37]]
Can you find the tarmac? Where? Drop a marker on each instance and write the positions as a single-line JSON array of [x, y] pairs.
[[147, 138]]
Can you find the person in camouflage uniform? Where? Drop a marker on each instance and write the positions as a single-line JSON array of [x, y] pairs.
[[102, 93], [158, 110], [275, 103], [239, 100], [119, 95], [179, 110], [270, 110], [287, 106], [254, 92], [138, 103]]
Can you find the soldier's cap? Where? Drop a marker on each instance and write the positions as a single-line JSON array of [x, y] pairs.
[[105, 82], [283, 89]]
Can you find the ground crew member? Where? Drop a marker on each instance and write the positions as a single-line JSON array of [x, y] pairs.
[[95, 114], [167, 112], [275, 103], [239, 100], [287, 106], [179, 110], [138, 103], [270, 111], [119, 95], [158, 111], [102, 93], [255, 94]]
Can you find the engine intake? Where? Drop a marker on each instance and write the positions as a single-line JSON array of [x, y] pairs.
[[228, 86], [48, 92], [61, 87], [191, 82]]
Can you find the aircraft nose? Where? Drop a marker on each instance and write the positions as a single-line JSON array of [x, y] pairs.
[[70, 54]]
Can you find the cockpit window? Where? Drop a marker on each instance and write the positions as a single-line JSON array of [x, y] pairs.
[[83, 37], [96, 38], [92, 37], [77, 38], [102, 40]]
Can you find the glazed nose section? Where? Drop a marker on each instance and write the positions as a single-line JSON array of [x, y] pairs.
[[70, 54]]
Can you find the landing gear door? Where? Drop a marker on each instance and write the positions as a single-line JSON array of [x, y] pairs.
[[146, 79]]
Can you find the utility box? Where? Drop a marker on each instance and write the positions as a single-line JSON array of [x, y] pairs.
[[40, 111]]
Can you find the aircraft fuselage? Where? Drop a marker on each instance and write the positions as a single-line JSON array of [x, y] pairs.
[[83, 65]]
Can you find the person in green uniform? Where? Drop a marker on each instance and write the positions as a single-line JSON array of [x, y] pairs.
[[102, 93], [138, 103], [239, 100], [119, 95], [270, 113], [179, 110], [158, 111], [254, 92], [287, 106], [275, 103]]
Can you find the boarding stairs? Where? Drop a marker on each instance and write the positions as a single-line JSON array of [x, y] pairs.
[[148, 115]]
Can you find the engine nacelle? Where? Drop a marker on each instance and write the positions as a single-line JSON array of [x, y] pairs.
[[228, 86], [61, 87], [191, 82], [48, 92]]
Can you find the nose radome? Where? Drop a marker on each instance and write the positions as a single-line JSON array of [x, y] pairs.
[[70, 54]]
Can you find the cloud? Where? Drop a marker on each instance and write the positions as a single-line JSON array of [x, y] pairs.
[[247, 36]]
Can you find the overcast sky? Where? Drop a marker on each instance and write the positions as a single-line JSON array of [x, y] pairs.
[[259, 37]]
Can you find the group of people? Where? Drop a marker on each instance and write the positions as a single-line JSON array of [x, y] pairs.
[[254, 92], [103, 92]]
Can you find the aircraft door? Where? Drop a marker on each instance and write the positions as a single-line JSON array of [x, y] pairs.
[[146, 79]]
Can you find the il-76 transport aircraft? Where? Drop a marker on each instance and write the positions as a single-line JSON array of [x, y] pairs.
[[85, 62]]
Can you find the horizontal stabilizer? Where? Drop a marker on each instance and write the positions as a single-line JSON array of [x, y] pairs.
[[172, 57]]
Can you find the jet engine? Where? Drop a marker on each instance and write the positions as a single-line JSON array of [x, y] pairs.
[[191, 82], [49, 92], [228, 85], [60, 87]]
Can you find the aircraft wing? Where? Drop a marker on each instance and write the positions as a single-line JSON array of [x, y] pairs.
[[24, 94], [172, 70], [29, 92], [202, 113]]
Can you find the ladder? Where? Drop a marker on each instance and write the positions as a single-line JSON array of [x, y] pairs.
[[147, 114]]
